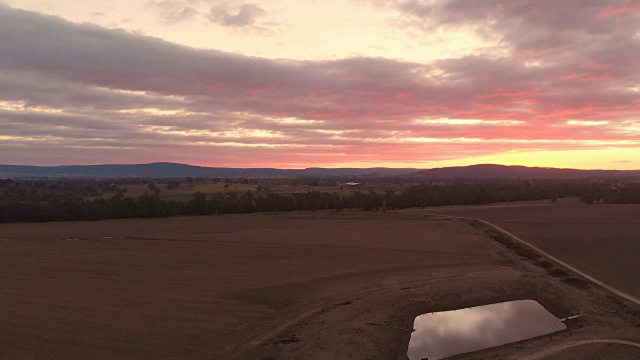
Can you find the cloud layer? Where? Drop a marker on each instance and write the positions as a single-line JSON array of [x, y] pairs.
[[567, 78]]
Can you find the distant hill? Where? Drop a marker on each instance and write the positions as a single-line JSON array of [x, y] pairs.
[[490, 171], [165, 169]]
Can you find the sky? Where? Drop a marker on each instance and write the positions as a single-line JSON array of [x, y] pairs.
[[296, 84]]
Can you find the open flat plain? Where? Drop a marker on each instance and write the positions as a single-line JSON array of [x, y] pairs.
[[601, 240], [310, 285]]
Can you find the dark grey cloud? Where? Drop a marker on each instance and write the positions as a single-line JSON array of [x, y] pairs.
[[241, 15], [36, 89], [544, 28], [174, 11], [117, 60]]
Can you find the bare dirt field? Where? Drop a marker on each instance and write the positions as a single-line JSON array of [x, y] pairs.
[[600, 240], [274, 286]]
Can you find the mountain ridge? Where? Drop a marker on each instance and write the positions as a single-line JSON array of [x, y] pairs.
[[493, 171], [169, 169]]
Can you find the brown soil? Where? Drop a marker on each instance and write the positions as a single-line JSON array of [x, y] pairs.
[[266, 286], [600, 240]]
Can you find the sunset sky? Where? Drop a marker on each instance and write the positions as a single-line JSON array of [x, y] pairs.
[[295, 83]]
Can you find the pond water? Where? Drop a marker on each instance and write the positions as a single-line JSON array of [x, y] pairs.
[[448, 333]]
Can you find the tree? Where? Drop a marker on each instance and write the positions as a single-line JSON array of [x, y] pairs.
[[199, 203]]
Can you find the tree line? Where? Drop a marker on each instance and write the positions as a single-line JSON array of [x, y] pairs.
[[64, 202]]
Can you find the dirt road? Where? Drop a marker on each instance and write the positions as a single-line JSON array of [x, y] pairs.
[[562, 349], [598, 240]]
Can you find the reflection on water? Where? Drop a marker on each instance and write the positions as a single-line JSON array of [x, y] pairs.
[[447, 333]]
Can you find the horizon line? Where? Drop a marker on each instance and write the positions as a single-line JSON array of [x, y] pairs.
[[323, 167]]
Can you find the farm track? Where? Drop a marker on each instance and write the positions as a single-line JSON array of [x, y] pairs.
[[572, 268], [599, 242], [553, 258], [561, 347], [318, 308]]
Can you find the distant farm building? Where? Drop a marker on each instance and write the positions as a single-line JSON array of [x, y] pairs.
[[350, 184]]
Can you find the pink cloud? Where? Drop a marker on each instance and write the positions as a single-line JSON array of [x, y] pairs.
[[620, 10]]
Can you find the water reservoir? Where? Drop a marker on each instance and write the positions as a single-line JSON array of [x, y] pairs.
[[441, 334]]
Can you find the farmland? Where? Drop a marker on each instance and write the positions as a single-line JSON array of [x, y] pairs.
[[262, 186], [601, 240], [318, 285]]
